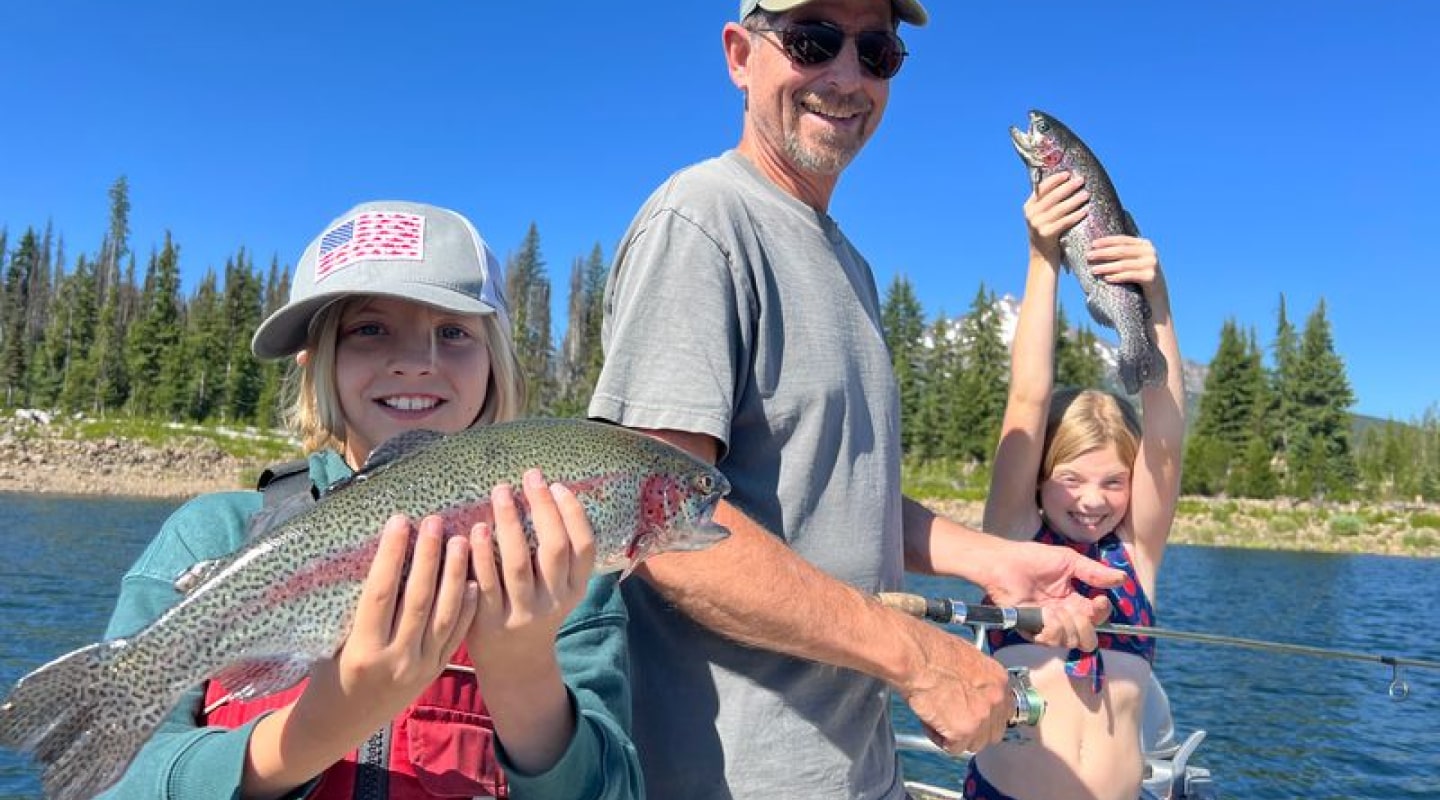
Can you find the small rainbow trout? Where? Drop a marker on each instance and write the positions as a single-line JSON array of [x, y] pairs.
[[1049, 147]]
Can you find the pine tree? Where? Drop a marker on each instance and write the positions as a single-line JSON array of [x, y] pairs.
[[1390, 460], [15, 344], [939, 368], [1226, 419], [242, 304], [155, 334], [5, 238], [277, 287], [596, 274], [529, 291], [49, 368], [1286, 427], [1077, 358], [1323, 398], [40, 290], [111, 381], [1429, 472], [581, 352], [206, 349], [1256, 475], [272, 373], [984, 382], [903, 322], [570, 365], [106, 361], [77, 388]]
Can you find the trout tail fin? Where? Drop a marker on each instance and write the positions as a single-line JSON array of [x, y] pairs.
[[82, 724]]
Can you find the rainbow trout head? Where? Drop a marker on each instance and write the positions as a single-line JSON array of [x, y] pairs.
[[674, 513], [1039, 146], [1048, 147]]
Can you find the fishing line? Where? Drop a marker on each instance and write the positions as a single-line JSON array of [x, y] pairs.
[[1030, 620]]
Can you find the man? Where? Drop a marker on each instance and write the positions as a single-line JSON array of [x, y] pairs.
[[742, 326]]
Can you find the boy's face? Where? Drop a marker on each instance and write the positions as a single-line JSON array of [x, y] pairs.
[[401, 366]]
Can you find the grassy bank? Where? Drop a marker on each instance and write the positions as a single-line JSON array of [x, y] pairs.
[[254, 447], [1281, 525], [1284, 524], [1409, 530]]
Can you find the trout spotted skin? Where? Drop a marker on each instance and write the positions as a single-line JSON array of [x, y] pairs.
[[1049, 147], [257, 620]]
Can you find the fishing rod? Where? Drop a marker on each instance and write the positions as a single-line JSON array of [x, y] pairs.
[[1031, 620], [1029, 705]]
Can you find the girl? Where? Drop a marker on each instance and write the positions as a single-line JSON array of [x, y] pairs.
[[1074, 469], [397, 322]]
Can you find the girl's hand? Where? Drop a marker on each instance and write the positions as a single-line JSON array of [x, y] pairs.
[[524, 598], [1054, 207], [1125, 259], [403, 635], [404, 632]]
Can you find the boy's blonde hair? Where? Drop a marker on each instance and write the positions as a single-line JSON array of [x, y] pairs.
[[1081, 420], [314, 409]]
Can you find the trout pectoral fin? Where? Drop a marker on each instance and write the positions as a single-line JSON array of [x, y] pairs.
[[705, 534], [697, 536], [260, 677]]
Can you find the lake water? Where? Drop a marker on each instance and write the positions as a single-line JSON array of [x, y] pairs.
[[1280, 726]]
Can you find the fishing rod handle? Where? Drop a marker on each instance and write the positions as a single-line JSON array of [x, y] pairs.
[[1029, 619]]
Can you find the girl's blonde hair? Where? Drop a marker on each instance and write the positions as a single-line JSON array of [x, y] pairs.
[[1082, 420], [314, 401]]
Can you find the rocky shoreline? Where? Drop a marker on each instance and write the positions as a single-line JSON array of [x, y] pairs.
[[37, 459], [34, 460]]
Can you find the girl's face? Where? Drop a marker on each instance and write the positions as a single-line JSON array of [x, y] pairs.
[[1085, 498], [401, 366]]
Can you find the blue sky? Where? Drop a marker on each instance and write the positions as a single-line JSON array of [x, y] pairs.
[[1284, 146]]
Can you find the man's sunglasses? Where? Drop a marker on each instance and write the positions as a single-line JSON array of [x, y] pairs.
[[813, 43]]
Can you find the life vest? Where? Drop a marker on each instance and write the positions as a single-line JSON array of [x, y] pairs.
[[442, 745]]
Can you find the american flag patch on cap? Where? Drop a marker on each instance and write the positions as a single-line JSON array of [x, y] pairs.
[[371, 236]]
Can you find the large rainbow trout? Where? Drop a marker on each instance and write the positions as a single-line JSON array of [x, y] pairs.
[[1049, 147], [258, 619]]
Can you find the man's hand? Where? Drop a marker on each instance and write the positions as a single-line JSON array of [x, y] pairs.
[[960, 695], [1034, 574]]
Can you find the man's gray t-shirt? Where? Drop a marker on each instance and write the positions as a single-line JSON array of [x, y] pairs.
[[736, 311]]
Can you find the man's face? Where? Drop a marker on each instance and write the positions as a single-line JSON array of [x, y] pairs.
[[817, 116]]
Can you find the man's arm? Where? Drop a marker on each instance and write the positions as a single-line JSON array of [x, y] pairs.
[[754, 590]]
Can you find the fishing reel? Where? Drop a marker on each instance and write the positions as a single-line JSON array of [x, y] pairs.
[[1029, 707]]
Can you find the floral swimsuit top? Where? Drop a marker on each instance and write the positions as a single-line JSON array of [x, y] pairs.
[[1128, 602]]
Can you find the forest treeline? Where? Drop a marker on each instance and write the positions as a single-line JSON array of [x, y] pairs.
[[106, 336]]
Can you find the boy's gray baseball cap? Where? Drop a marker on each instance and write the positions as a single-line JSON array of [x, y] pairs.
[[409, 251], [907, 10]]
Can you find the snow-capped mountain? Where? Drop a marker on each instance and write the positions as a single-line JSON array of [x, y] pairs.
[[1008, 307]]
